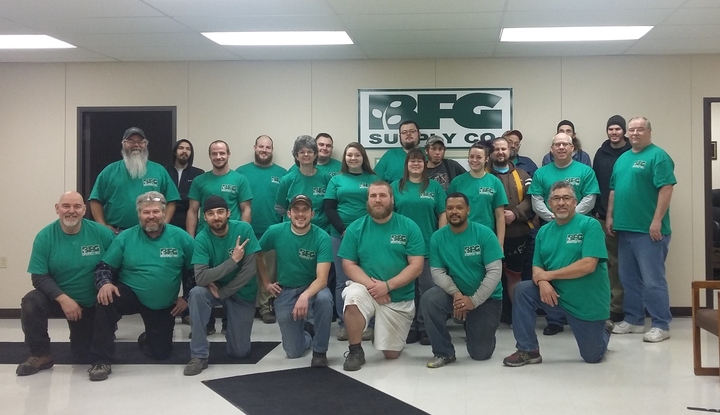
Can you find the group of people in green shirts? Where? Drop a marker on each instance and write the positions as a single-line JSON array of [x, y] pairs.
[[405, 253]]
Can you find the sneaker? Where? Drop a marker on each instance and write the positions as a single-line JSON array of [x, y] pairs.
[[624, 327], [368, 334], [33, 365], [439, 361], [268, 318], [211, 330], [195, 366], [656, 335], [553, 329], [520, 358], [99, 372], [342, 334], [413, 337], [319, 360], [354, 359], [424, 338]]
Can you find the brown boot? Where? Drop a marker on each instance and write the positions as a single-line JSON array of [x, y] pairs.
[[34, 364]]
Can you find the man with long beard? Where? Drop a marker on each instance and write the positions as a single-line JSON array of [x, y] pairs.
[[140, 273], [112, 200], [382, 254], [392, 164], [64, 256], [264, 177]]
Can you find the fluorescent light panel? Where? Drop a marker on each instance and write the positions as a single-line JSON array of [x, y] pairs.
[[32, 42], [278, 38], [573, 34]]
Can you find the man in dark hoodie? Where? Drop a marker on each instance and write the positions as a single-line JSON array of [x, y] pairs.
[[182, 173], [605, 158]]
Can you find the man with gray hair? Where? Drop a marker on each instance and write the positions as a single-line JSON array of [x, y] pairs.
[[118, 184], [140, 273]]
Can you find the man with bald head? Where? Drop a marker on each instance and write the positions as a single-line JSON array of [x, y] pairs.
[[63, 258]]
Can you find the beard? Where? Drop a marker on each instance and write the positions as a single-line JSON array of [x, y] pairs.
[[151, 226], [71, 222], [513, 154], [262, 162], [136, 163], [382, 214], [409, 145]]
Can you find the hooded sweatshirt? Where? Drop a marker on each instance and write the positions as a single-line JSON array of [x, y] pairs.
[[189, 173], [603, 164]]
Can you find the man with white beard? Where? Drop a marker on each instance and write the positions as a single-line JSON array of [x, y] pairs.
[[112, 200]]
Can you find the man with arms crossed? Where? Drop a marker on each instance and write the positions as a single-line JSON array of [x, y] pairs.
[[382, 253], [301, 286]]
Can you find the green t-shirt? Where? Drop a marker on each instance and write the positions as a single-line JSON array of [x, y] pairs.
[[264, 184], [637, 179], [116, 191], [332, 167], [71, 259], [351, 192], [557, 246], [581, 176], [422, 207], [314, 187], [212, 250], [300, 253], [485, 195], [381, 250], [391, 165], [465, 255], [152, 268], [232, 186]]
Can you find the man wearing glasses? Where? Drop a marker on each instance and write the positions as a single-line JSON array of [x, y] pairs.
[[580, 176], [112, 200], [569, 279], [514, 138], [392, 164]]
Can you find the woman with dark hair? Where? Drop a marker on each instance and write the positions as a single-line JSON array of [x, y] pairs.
[[306, 180], [346, 200], [485, 192], [423, 201]]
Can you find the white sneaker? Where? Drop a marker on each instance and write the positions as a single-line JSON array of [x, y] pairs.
[[624, 327], [656, 335]]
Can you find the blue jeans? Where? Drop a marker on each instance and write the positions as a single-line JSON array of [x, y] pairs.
[[340, 280], [641, 262], [480, 325], [422, 284], [591, 337], [240, 314], [295, 340]]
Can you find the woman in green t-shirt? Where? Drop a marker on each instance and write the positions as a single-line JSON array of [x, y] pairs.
[[423, 201]]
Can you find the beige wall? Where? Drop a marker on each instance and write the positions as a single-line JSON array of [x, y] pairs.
[[238, 101]]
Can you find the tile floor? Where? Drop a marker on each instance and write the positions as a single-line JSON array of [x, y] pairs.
[[634, 378]]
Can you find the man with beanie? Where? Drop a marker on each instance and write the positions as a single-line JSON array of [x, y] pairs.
[[224, 262], [567, 127], [112, 199], [182, 172], [605, 158]]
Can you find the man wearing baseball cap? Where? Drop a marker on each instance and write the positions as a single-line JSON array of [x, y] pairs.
[[306, 253], [439, 168]]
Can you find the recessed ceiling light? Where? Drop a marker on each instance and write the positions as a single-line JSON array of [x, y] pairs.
[[573, 34], [278, 38], [32, 42]]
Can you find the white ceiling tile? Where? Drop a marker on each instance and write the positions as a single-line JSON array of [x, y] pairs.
[[13, 9], [623, 17], [560, 5], [414, 6], [53, 55], [107, 25], [299, 53], [260, 23], [100, 41], [691, 17], [424, 50], [240, 7], [422, 21], [426, 36], [8, 27], [680, 32]]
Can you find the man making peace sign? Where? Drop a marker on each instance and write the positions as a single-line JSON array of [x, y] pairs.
[[224, 261]]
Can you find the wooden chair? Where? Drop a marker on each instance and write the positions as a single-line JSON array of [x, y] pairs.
[[705, 318]]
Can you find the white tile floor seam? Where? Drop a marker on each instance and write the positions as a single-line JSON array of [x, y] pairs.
[[634, 378]]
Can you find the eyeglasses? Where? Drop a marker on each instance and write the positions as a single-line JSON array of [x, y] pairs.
[[152, 199], [562, 144], [565, 199], [408, 132], [140, 143]]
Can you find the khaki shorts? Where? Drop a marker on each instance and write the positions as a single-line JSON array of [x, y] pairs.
[[392, 320]]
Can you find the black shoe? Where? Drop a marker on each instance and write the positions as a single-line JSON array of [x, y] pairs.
[[424, 338], [617, 317], [413, 337], [553, 329], [354, 359], [319, 360]]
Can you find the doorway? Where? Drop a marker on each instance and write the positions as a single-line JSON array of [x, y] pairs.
[[100, 131]]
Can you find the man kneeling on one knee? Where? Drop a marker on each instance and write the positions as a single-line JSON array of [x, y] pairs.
[[569, 279], [305, 253], [466, 263], [224, 261]]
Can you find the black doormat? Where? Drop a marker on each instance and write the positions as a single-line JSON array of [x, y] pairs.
[[305, 391], [128, 353]]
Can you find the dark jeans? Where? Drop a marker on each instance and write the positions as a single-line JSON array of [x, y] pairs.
[[36, 309], [159, 325]]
